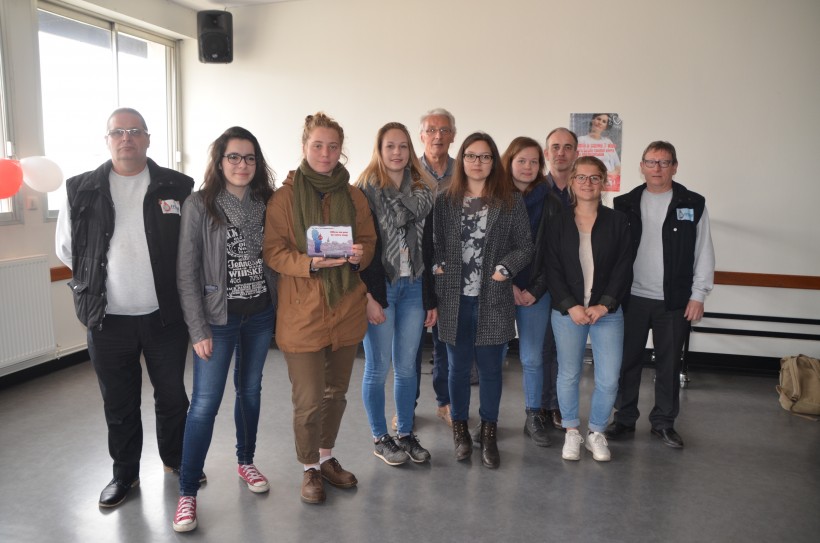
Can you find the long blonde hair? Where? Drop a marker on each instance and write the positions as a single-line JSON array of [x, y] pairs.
[[376, 173]]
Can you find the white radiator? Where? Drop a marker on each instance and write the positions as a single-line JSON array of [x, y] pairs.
[[26, 324]]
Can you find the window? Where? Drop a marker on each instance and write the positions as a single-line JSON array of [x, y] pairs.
[[88, 68]]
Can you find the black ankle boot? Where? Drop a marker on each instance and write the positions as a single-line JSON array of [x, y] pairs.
[[461, 439], [535, 427], [489, 447]]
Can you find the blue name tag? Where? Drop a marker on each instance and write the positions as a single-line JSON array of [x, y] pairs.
[[686, 214]]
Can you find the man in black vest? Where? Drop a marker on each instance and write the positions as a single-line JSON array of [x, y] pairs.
[[674, 265], [119, 233]]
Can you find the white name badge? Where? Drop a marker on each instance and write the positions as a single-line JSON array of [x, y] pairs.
[[172, 206], [686, 214]]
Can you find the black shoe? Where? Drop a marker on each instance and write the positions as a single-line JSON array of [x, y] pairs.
[[410, 444], [616, 430], [116, 491], [554, 415], [475, 433], [202, 478], [669, 436], [387, 450], [489, 446], [535, 427], [461, 440]]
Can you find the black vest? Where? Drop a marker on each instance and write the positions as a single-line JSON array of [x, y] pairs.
[[679, 236], [92, 213]]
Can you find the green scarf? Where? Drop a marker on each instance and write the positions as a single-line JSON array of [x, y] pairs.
[[307, 211]]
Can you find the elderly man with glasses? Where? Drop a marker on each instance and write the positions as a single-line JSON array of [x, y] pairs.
[[674, 264], [118, 232]]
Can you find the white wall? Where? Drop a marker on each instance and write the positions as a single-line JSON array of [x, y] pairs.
[[733, 84]]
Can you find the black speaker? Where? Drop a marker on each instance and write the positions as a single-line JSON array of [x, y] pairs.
[[215, 31]]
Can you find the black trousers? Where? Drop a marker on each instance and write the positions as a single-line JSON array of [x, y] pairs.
[[115, 354], [668, 333]]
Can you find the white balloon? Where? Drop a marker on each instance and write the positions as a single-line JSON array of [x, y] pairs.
[[41, 173]]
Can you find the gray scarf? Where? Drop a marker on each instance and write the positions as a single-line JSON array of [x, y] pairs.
[[401, 213], [248, 215]]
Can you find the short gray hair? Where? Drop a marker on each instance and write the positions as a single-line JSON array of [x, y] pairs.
[[438, 112], [129, 111]]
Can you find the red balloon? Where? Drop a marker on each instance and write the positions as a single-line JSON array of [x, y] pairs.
[[11, 177]]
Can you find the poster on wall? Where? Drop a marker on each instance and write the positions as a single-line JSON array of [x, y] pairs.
[[599, 135]]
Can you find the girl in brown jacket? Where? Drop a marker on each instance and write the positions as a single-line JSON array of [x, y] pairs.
[[321, 315]]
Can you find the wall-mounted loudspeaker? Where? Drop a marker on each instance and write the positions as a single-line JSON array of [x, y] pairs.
[[215, 32]]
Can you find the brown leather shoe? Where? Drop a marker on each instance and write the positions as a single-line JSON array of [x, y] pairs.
[[443, 413], [333, 472], [313, 490]]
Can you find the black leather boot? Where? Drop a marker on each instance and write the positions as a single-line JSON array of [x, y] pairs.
[[461, 439], [489, 447], [535, 427]]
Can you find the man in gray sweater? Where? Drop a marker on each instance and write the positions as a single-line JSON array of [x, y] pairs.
[[674, 264]]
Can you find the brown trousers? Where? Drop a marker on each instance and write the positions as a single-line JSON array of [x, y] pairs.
[[319, 382]]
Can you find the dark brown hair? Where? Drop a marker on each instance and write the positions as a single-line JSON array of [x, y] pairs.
[[496, 191], [262, 184]]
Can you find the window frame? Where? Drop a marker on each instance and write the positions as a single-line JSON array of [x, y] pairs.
[[15, 215]]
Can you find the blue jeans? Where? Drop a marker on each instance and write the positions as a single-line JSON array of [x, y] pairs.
[[532, 322], [248, 337], [607, 337], [488, 358], [441, 370], [549, 396], [396, 339]]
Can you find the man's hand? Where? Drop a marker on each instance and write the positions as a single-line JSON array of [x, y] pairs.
[[694, 311]]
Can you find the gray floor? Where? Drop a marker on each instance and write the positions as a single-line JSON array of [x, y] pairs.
[[749, 472]]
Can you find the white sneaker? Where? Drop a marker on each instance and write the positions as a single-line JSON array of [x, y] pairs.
[[572, 445], [597, 445]]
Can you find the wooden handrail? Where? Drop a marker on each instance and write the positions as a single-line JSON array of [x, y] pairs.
[[741, 279], [60, 273]]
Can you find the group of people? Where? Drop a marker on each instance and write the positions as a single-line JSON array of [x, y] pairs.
[[478, 247]]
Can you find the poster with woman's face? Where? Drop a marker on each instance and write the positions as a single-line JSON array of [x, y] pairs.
[[599, 135]]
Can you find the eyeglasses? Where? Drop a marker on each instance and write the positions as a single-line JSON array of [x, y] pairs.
[[236, 158], [661, 163], [443, 131], [594, 179], [484, 159], [119, 133]]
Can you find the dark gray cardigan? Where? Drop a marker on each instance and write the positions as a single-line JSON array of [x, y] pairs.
[[508, 242]]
